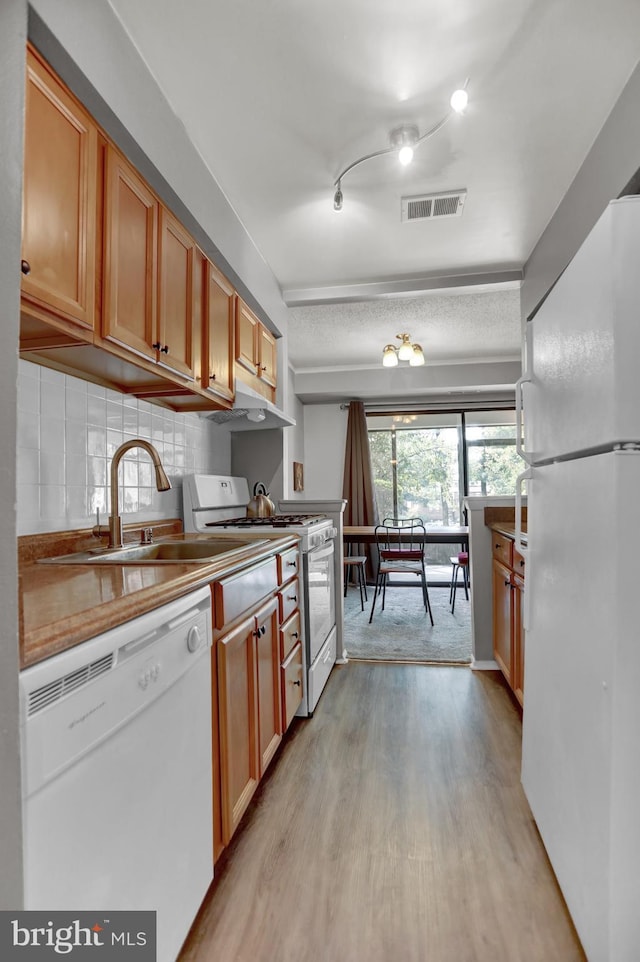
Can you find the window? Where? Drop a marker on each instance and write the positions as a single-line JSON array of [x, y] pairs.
[[424, 464]]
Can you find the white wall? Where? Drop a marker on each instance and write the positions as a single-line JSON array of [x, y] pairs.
[[13, 25], [293, 441], [68, 431], [325, 435]]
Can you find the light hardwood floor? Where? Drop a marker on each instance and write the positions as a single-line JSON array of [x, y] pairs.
[[391, 828]]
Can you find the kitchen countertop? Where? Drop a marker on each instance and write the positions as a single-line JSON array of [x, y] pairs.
[[63, 605], [508, 529]]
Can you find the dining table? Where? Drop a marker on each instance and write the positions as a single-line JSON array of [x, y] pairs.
[[435, 534], [362, 535]]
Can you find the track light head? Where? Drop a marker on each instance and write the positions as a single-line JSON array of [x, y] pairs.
[[337, 199]]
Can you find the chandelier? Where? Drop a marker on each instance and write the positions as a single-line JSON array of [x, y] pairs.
[[406, 351]]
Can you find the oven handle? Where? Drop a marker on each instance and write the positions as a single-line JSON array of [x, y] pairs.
[[326, 548]]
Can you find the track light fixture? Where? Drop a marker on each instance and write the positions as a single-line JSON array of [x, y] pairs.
[[404, 140], [405, 352]]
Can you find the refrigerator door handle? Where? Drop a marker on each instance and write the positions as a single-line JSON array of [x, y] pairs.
[[525, 379], [522, 548], [524, 476]]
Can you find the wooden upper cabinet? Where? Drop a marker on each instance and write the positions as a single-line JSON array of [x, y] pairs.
[[267, 357], [247, 329], [255, 352], [59, 201], [219, 334], [150, 272], [176, 296], [130, 258]]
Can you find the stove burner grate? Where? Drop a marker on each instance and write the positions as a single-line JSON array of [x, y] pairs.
[[275, 521]]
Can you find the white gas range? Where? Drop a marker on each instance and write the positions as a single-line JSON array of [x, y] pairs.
[[218, 504]]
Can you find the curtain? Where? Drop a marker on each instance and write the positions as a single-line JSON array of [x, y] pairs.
[[357, 486]]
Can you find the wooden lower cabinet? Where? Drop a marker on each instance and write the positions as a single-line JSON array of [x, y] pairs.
[[268, 678], [517, 682], [249, 709], [508, 601], [503, 618]]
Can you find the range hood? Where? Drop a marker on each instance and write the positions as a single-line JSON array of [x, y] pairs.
[[250, 412]]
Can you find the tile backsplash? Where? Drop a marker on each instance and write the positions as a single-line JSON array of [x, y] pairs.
[[68, 431]]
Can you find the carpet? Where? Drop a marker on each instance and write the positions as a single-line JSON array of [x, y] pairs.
[[403, 632]]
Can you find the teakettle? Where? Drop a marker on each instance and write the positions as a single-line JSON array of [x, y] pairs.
[[261, 505]]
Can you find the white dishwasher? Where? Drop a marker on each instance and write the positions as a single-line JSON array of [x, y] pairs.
[[116, 741]]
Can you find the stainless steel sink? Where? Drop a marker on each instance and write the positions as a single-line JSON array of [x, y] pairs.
[[162, 552]]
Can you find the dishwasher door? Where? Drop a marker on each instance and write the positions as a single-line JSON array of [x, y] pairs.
[[116, 737]]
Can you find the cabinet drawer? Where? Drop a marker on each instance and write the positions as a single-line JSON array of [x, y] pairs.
[[518, 562], [238, 593], [502, 548], [290, 635], [289, 600], [288, 565], [321, 669], [291, 675]]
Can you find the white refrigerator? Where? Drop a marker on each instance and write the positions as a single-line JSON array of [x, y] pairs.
[[581, 721]]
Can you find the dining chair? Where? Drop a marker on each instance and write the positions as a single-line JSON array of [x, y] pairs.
[[400, 543]]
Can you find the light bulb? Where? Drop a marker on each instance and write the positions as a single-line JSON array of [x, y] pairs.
[[417, 357], [405, 351], [459, 100], [389, 356], [405, 155]]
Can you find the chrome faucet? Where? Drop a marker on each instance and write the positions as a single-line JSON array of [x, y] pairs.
[[162, 484]]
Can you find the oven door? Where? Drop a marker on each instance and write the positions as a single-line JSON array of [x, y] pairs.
[[319, 596]]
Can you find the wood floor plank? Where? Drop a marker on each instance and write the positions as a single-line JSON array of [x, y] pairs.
[[391, 826]]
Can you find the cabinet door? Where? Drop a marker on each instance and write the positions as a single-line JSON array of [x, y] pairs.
[[268, 681], [502, 619], [131, 258], [238, 718], [59, 200], [267, 356], [219, 335], [518, 639], [291, 684], [176, 297], [247, 327]]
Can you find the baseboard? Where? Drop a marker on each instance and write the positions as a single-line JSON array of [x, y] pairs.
[[490, 665]]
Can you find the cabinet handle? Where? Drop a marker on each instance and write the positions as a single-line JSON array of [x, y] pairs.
[[25, 267], [262, 630], [507, 583], [292, 564], [156, 345], [296, 682], [165, 349], [292, 597], [263, 368], [497, 546], [522, 564], [294, 634], [212, 376]]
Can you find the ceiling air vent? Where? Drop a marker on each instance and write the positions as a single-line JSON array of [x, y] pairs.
[[433, 206]]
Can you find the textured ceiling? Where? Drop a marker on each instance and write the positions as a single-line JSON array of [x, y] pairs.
[[448, 327], [280, 95]]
